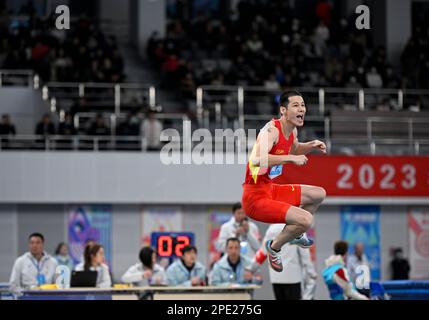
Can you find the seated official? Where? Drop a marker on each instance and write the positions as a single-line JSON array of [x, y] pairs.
[[33, 268], [187, 271], [147, 271], [94, 261], [233, 268]]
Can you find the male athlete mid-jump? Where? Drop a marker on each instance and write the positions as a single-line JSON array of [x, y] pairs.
[[265, 201]]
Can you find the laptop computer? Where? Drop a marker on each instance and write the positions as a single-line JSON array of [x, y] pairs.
[[83, 279]]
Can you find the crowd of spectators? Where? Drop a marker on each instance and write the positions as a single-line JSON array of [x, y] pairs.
[[265, 43], [81, 54], [134, 124]]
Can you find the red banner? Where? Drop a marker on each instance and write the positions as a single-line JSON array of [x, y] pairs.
[[362, 175]]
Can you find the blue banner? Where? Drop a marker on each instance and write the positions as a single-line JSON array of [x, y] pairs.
[[89, 222], [361, 224]]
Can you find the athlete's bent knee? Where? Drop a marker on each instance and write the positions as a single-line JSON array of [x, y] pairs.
[[306, 221], [319, 194]]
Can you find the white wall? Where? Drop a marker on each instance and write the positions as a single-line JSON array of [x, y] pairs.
[[398, 28], [95, 177], [151, 16], [25, 107], [8, 239]]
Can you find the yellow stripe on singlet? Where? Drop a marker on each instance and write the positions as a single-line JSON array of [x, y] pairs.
[[254, 170]]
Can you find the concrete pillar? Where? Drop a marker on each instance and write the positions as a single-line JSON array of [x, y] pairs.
[[398, 27], [151, 16]]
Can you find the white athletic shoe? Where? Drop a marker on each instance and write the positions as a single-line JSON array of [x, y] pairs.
[[303, 241]]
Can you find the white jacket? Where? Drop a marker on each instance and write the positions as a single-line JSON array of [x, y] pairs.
[[25, 270], [250, 242], [134, 275], [353, 263], [103, 274]]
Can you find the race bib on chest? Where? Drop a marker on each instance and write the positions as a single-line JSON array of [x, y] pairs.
[[275, 171]]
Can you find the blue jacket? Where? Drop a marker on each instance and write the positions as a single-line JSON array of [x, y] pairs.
[[335, 291], [339, 286], [222, 273], [178, 274]]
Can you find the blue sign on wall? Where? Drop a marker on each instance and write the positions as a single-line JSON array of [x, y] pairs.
[[362, 224]]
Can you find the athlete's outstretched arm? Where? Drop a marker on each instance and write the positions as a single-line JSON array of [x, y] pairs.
[[264, 143], [299, 148]]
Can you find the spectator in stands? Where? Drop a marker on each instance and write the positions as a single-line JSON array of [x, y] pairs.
[[399, 266], [6, 129], [186, 270], [374, 79], [130, 126], [6, 126], [271, 83], [169, 68], [147, 271], [254, 44], [151, 129], [187, 87], [45, 126], [94, 261], [336, 276], [324, 11], [66, 127], [320, 38], [61, 66], [417, 106], [240, 227], [63, 56], [40, 59], [34, 268], [79, 107], [62, 256], [99, 127], [233, 268]]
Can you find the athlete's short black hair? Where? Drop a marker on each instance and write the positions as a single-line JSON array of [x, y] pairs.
[[284, 97], [341, 247], [37, 235]]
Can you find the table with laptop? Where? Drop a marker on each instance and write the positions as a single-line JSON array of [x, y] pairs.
[[83, 287]]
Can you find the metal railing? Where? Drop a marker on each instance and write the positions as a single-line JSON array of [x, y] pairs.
[[110, 95], [218, 106], [113, 118], [354, 146], [72, 142], [15, 78], [245, 99]]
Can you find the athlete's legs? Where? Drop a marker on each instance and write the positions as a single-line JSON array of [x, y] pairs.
[[297, 221], [311, 197]]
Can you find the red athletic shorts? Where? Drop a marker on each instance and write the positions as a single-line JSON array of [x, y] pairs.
[[270, 202]]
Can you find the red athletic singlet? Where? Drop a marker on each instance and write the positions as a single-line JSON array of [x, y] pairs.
[[257, 175]]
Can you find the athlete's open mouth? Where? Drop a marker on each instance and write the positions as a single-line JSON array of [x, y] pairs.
[[300, 116]]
